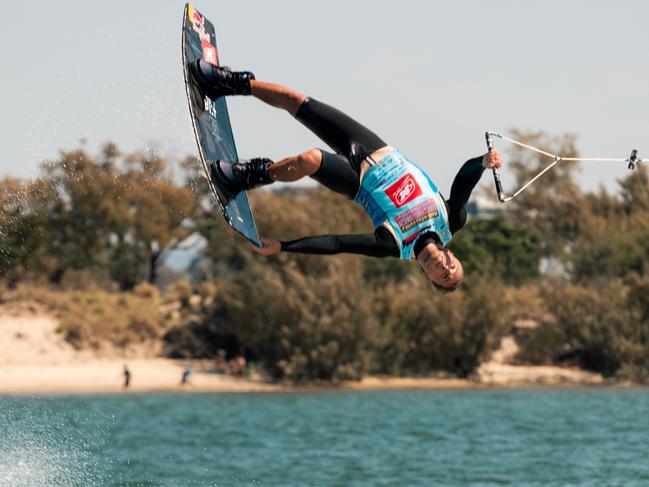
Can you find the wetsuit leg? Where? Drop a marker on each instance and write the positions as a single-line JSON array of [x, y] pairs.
[[337, 174], [344, 134]]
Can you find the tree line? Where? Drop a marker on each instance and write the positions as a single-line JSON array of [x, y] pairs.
[[107, 217]]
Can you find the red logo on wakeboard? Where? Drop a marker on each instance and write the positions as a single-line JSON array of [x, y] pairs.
[[198, 24], [404, 190], [210, 53]]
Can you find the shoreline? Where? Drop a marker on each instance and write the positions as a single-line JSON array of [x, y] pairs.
[[36, 360], [159, 375]]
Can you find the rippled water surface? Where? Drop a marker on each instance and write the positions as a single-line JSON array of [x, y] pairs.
[[481, 438]]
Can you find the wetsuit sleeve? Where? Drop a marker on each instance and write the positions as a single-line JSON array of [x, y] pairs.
[[377, 244], [463, 184]]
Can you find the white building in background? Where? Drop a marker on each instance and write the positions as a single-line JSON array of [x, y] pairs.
[[552, 266], [183, 261]]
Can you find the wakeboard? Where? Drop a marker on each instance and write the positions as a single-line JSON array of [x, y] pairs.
[[211, 123]]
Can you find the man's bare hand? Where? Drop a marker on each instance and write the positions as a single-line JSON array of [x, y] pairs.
[[492, 160], [270, 246]]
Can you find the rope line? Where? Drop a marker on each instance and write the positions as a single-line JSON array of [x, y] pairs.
[[631, 160]]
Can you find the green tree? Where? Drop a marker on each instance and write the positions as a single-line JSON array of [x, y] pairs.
[[424, 331], [23, 220], [157, 206], [635, 191], [596, 322], [499, 248], [126, 265], [99, 207], [554, 205], [86, 208]]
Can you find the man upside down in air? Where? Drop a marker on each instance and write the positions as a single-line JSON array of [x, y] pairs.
[[411, 218]]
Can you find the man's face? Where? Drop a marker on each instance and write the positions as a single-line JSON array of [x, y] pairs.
[[441, 267]]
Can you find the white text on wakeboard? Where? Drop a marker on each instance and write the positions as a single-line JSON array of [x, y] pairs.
[[210, 107]]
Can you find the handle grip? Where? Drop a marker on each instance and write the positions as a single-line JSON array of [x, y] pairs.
[[499, 184], [633, 159]]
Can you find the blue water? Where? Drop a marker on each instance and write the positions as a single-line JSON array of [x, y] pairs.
[[436, 438]]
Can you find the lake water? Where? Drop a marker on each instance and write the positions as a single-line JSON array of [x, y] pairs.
[[432, 438]]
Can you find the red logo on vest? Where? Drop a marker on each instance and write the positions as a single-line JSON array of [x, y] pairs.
[[403, 191]]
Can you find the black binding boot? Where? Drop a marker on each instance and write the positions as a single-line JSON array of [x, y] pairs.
[[243, 175], [218, 81]]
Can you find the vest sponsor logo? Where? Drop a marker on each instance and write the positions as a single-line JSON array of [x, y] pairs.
[[408, 240], [416, 215], [403, 191]]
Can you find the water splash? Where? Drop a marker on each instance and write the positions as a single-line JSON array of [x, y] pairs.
[[33, 453]]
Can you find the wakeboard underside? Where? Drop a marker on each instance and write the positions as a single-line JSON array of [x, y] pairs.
[[211, 123]]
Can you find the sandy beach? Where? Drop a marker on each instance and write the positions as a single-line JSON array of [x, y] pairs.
[[35, 359]]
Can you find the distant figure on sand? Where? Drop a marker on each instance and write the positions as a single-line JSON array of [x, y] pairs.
[[185, 378], [237, 365], [220, 363], [127, 377]]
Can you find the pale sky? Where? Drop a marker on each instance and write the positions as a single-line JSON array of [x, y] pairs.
[[428, 76]]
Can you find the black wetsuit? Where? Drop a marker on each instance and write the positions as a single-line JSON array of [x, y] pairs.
[[340, 172]]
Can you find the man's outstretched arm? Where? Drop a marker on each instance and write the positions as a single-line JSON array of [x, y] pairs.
[[377, 244], [463, 184]]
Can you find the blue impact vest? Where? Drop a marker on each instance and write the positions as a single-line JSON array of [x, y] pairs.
[[395, 192]]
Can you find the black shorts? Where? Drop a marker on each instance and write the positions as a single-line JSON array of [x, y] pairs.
[[352, 142]]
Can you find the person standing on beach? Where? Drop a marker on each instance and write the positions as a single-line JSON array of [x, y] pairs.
[[127, 377], [184, 380]]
